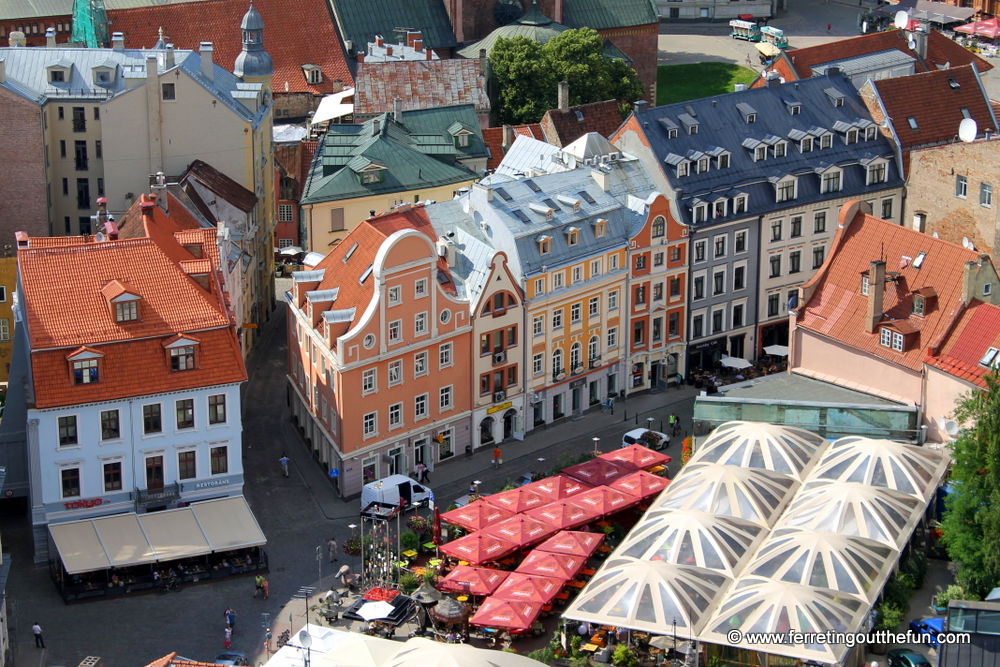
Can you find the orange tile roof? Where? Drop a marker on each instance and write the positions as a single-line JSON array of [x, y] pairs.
[[935, 102], [976, 330], [493, 138], [564, 127], [186, 24], [838, 310]]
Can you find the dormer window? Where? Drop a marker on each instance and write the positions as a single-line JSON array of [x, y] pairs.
[[693, 129], [127, 311], [876, 173], [760, 154], [723, 161], [544, 244], [461, 134], [748, 112], [700, 212], [181, 352], [57, 76], [572, 235], [806, 145], [923, 301], [751, 118], [919, 305], [682, 169], [672, 133], [740, 204], [826, 141], [785, 190], [85, 365], [794, 109], [719, 209], [831, 182], [600, 228], [870, 133], [313, 74], [780, 148], [852, 136], [703, 165], [894, 340], [123, 300], [542, 209]]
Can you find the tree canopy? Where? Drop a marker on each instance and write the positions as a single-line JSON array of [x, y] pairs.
[[527, 74], [971, 526]]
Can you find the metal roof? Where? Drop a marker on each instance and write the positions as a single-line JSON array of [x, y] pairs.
[[867, 62], [360, 20]]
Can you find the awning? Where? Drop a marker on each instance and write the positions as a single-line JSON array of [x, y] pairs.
[[936, 12], [134, 539], [333, 106]]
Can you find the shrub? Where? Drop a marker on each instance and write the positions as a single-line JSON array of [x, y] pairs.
[[580, 662], [916, 567], [953, 592], [429, 576], [418, 524], [575, 642], [652, 439], [409, 581], [545, 655], [352, 545], [897, 591], [624, 657], [889, 618], [687, 448], [409, 540]]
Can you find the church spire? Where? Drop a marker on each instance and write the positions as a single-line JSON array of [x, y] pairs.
[[253, 62]]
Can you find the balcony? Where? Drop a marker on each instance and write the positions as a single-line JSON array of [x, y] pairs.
[[595, 361], [79, 125], [577, 369], [82, 164], [162, 496]]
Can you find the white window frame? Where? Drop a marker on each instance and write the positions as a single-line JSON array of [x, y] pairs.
[[395, 372], [420, 288], [420, 324], [557, 318], [539, 286], [538, 325], [613, 300], [612, 338], [395, 295], [419, 364], [446, 357], [557, 280], [420, 406], [369, 381], [594, 306], [395, 416], [446, 398], [369, 425], [395, 331], [538, 364], [613, 262]]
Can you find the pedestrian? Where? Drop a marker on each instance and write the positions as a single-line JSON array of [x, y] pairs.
[[258, 584], [264, 587], [37, 630], [829, 27], [497, 459], [230, 615], [331, 549], [472, 490], [672, 420], [422, 473], [228, 641], [284, 464], [677, 425]]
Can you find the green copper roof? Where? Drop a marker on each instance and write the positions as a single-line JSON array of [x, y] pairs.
[[360, 20], [534, 25], [604, 14]]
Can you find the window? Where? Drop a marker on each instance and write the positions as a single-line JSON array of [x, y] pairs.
[[185, 413], [699, 287], [419, 324], [989, 359], [640, 262], [699, 251], [831, 182], [557, 319], [420, 288], [540, 286], [773, 304], [182, 358], [368, 381], [717, 324], [673, 324], [659, 226], [775, 263], [794, 261], [577, 274], [682, 169], [444, 355], [612, 337], [395, 415], [462, 140], [740, 205], [876, 173], [819, 222], [985, 195], [779, 149], [675, 286], [370, 424], [870, 133], [961, 186], [595, 268], [640, 295], [760, 153], [70, 482], [67, 431], [741, 241], [658, 292], [720, 246], [85, 372], [110, 429], [613, 262], [865, 284], [538, 364], [557, 362], [444, 398], [718, 282], [370, 177], [113, 476], [557, 280], [544, 247], [4, 329], [126, 311], [284, 212], [57, 76], [419, 364], [697, 326], [700, 213], [852, 136], [395, 295], [885, 337], [220, 459], [795, 227], [786, 191], [395, 331], [186, 465], [639, 333], [65, 191], [658, 259], [776, 230], [675, 254], [337, 220], [217, 409], [826, 141], [152, 421], [600, 229], [572, 238], [420, 406], [819, 254], [739, 277], [594, 306], [737, 315], [169, 91], [887, 208], [538, 325], [807, 145], [613, 300]]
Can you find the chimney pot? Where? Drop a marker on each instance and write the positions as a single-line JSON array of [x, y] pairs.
[[397, 108], [564, 96], [17, 39], [418, 45], [147, 208], [50, 37], [207, 51], [411, 38], [876, 292], [428, 54], [361, 57], [482, 62], [639, 107], [379, 41], [388, 51], [118, 41], [168, 57], [375, 126]]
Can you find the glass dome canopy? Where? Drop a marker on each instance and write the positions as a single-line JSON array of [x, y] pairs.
[[855, 510], [743, 493], [819, 559], [695, 538], [883, 463], [649, 596], [758, 604], [782, 449]]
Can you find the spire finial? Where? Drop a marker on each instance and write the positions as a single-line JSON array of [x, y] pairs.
[[160, 32]]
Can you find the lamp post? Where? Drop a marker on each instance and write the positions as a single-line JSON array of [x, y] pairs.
[[596, 450]]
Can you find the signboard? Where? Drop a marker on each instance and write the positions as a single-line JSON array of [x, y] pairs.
[[707, 345], [498, 408], [577, 383]]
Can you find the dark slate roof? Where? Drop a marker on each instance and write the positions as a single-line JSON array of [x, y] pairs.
[[603, 14], [360, 20], [722, 126]]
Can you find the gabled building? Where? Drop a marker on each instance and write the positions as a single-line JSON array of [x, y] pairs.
[[135, 405], [420, 85], [757, 177], [499, 140], [292, 162], [565, 124], [357, 24], [395, 158], [887, 303]]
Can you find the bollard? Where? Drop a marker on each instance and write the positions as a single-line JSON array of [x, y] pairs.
[[637, 419], [661, 426], [625, 418]]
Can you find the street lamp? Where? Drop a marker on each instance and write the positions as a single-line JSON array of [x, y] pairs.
[[352, 527], [649, 423], [596, 450]]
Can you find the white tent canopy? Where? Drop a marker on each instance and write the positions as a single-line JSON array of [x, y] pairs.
[[420, 652], [885, 464], [791, 451], [333, 106], [735, 362]]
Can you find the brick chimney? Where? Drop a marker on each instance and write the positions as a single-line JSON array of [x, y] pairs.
[[564, 96], [361, 57], [557, 15], [418, 45], [970, 275], [379, 40], [412, 37], [428, 54], [876, 291], [388, 51]]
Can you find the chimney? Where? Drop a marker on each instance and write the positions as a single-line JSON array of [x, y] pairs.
[[397, 109], [379, 41], [361, 57], [17, 39], [773, 82], [111, 228], [22, 239], [876, 290], [639, 107], [428, 54], [147, 207], [418, 45], [482, 62], [3, 70], [159, 189], [102, 212], [832, 71], [919, 38], [602, 178], [118, 41], [557, 15], [168, 57], [349, 45], [388, 51], [564, 96], [508, 138], [207, 51], [375, 127], [970, 273], [411, 38], [50, 38]]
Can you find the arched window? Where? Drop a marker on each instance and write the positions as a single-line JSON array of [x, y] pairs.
[[557, 361], [593, 352], [574, 355], [659, 226]]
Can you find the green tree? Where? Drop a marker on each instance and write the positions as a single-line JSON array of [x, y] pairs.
[[527, 74], [971, 527]]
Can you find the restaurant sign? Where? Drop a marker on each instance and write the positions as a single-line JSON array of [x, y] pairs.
[[88, 503]]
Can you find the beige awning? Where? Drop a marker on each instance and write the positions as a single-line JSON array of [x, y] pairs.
[[228, 523], [79, 546], [123, 540], [175, 534]]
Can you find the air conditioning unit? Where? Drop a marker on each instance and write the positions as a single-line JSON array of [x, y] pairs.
[[578, 369], [499, 396], [500, 357]]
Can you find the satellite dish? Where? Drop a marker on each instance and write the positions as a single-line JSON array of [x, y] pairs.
[[967, 130], [902, 20], [99, 237], [966, 243], [305, 639], [912, 44], [951, 428]]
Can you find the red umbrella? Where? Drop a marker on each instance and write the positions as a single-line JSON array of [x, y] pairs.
[[476, 515], [529, 588], [472, 580], [521, 530], [546, 564], [604, 500], [479, 548], [641, 483], [562, 514], [636, 456], [599, 471], [436, 539], [558, 487], [572, 542], [507, 614], [988, 28], [518, 500]]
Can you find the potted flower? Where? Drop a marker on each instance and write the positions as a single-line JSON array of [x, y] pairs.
[[409, 582], [687, 449], [418, 524], [652, 439]]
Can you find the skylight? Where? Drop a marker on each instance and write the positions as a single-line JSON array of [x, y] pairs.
[[912, 121], [989, 359], [364, 276], [532, 185], [918, 262], [350, 252], [503, 194], [585, 196], [522, 216]]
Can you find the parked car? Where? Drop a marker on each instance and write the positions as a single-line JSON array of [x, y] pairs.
[[932, 627], [391, 489], [904, 657], [231, 658], [655, 440]]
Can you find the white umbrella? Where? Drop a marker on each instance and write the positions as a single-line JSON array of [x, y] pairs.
[[371, 611], [358, 651], [777, 350], [736, 362], [291, 250]]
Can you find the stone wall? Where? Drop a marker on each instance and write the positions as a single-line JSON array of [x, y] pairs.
[[291, 107], [640, 43]]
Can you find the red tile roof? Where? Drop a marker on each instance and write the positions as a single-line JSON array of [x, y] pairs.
[[493, 138], [935, 101], [838, 310], [945, 52], [565, 127], [976, 330], [420, 84], [132, 224], [286, 24]]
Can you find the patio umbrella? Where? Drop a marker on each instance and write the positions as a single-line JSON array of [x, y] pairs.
[[562, 514], [572, 542], [517, 500], [426, 594], [449, 611], [776, 350], [522, 530], [476, 515], [557, 487], [989, 28], [291, 250], [605, 500], [546, 564], [472, 580], [420, 652], [636, 456], [736, 362], [529, 588], [371, 611], [479, 547], [506, 614], [598, 471], [642, 484], [358, 650]]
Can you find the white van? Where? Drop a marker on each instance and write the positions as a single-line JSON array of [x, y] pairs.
[[638, 436], [390, 489]]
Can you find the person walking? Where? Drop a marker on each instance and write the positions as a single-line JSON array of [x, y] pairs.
[[422, 473], [672, 420], [331, 549], [228, 641], [230, 615], [472, 490], [829, 27], [284, 460], [264, 587], [37, 630], [497, 458], [258, 584], [676, 426]]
